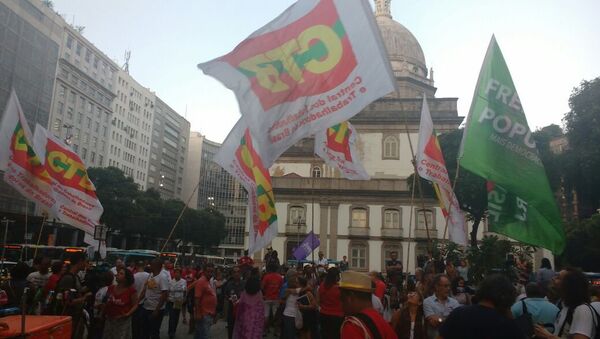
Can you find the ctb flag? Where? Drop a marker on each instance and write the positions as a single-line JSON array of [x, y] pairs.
[[317, 64], [499, 146], [241, 158], [337, 147], [432, 166]]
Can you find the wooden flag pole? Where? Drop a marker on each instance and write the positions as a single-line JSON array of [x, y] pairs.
[[410, 220], [179, 217]]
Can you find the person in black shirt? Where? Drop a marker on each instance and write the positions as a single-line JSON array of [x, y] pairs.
[[490, 318], [393, 267]]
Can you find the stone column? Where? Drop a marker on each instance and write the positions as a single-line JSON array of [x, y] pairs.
[[323, 222], [333, 228]]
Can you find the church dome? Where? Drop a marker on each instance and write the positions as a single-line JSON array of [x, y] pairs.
[[405, 52]]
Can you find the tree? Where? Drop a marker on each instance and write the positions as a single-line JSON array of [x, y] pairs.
[[582, 245], [583, 132], [132, 212]]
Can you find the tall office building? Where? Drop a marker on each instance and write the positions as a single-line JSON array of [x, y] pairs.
[[193, 160], [219, 190], [131, 128], [30, 39], [170, 133], [82, 104]]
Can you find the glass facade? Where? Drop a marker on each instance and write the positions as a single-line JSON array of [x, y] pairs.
[[219, 190], [28, 60]]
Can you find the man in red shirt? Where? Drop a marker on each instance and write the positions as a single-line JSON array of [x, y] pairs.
[[379, 285], [206, 303], [271, 284], [362, 321]]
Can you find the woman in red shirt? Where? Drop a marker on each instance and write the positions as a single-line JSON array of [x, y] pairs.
[[331, 313], [120, 305]]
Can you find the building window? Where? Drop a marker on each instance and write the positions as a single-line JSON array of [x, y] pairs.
[[100, 160], [316, 172], [70, 113], [296, 214], [387, 249], [423, 215], [57, 125], [69, 42], [359, 217], [358, 255], [83, 153], [60, 107], [391, 218], [390, 147]]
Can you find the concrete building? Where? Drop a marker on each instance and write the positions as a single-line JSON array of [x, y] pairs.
[[366, 220], [82, 103], [219, 190], [131, 128], [30, 39], [170, 133], [191, 177]]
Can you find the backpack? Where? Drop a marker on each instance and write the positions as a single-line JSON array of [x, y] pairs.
[[596, 319], [525, 321]]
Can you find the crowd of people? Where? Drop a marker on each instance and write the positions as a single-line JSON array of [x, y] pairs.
[[312, 300]]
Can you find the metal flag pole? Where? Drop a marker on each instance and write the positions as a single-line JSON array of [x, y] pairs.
[[6, 222], [410, 220]]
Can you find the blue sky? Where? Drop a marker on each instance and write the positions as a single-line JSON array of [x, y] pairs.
[[550, 47]]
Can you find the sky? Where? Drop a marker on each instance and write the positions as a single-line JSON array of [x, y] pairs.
[[550, 46]]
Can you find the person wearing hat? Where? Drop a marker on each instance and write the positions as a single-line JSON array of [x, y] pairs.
[[362, 320]]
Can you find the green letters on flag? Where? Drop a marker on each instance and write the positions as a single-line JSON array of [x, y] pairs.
[[498, 146]]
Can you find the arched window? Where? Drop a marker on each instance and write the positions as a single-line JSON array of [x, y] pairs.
[[359, 217], [296, 215], [423, 215], [391, 147], [316, 172], [391, 218]]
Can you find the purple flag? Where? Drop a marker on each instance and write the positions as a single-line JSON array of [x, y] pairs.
[[307, 246]]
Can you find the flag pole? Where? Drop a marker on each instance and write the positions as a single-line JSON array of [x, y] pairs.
[[179, 217], [40, 235], [453, 188], [419, 186], [410, 220]]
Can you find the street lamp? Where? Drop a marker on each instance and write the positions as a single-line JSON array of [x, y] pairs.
[[299, 222], [100, 233]]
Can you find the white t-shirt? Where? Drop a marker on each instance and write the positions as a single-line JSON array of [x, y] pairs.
[[377, 305], [37, 279], [155, 285], [584, 321], [291, 305], [177, 289], [100, 296], [139, 280]]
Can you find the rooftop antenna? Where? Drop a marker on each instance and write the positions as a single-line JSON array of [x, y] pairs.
[[126, 65]]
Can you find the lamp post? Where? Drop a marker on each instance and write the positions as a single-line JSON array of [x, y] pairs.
[[100, 232], [299, 222]]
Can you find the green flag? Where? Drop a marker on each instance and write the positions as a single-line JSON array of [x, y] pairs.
[[498, 146]]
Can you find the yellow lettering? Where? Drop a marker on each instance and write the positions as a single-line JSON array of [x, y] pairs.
[[55, 160], [285, 54], [331, 41], [20, 146], [266, 74], [73, 167]]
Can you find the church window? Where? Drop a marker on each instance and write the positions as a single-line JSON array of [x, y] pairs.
[[391, 218], [390, 147], [423, 215], [296, 215], [358, 255], [359, 217], [316, 172]]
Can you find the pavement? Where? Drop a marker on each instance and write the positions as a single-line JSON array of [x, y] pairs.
[[217, 331]]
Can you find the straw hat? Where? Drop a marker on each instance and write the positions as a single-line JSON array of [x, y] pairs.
[[356, 281]]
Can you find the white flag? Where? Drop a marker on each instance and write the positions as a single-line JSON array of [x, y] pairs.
[[431, 166], [317, 64], [337, 147], [241, 158]]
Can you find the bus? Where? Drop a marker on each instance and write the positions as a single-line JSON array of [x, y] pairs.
[[26, 252], [129, 256]]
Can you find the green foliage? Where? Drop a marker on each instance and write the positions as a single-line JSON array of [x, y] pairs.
[[582, 245], [582, 162], [489, 257], [131, 211]]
